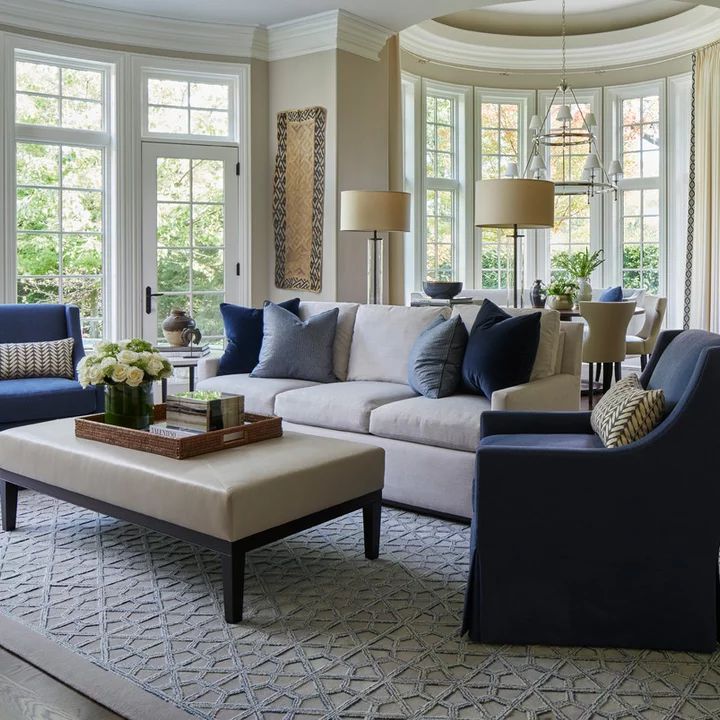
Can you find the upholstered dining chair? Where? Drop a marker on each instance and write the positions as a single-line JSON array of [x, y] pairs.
[[643, 342], [604, 341]]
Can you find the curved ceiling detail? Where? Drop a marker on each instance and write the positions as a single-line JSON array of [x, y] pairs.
[[654, 41]]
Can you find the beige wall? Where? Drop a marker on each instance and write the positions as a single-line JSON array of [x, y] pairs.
[[300, 82], [517, 80], [362, 159]]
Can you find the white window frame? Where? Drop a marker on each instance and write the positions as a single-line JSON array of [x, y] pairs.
[[593, 96], [412, 166], [527, 100], [613, 122], [67, 55], [462, 226], [185, 72]]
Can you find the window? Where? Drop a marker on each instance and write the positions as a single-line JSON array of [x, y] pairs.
[[188, 105], [573, 213], [500, 131], [639, 210], [61, 147]]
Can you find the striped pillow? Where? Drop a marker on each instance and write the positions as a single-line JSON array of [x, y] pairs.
[[49, 358], [627, 413]]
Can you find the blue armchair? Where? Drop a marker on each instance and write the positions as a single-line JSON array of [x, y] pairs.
[[576, 544], [31, 400]]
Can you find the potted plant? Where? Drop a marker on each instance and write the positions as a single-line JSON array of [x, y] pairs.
[[560, 294], [128, 370], [580, 266]]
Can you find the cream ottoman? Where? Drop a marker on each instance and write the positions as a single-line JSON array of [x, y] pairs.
[[230, 501]]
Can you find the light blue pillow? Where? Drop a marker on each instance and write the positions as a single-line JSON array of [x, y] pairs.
[[435, 364], [295, 349], [613, 294]]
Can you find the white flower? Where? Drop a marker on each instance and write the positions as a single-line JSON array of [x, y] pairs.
[[96, 375], [127, 357], [106, 363], [120, 373], [135, 376], [123, 344], [154, 365]]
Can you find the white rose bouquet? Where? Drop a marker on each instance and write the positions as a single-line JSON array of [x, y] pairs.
[[131, 362]]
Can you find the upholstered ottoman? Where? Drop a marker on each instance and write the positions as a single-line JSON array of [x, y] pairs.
[[230, 501]]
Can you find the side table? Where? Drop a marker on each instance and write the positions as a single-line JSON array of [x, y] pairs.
[[190, 363]]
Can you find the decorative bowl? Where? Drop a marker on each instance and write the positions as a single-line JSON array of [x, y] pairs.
[[442, 290]]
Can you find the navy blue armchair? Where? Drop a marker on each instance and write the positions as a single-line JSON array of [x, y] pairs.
[[30, 400], [576, 544]]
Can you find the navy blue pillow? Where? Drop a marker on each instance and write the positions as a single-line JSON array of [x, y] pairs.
[[613, 294], [244, 331], [501, 350]]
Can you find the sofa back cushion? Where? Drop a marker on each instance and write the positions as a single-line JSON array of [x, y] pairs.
[[383, 338], [343, 334], [547, 353]]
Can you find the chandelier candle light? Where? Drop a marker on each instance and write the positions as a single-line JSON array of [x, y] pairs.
[[595, 177]]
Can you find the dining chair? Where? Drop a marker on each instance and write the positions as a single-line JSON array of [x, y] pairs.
[[643, 342], [604, 340]]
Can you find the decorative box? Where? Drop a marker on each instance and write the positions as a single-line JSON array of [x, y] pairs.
[[205, 410]]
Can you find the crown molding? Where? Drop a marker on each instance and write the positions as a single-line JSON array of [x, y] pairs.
[[667, 38], [332, 30], [133, 29]]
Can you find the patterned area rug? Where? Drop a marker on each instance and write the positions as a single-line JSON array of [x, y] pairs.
[[327, 634]]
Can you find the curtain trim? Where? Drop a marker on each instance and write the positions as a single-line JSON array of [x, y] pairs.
[[691, 208]]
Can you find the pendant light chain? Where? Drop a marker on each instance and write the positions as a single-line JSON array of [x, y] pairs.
[[563, 30]]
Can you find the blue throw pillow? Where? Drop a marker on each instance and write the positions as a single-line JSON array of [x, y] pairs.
[[435, 364], [501, 350], [613, 294], [244, 331], [295, 349]]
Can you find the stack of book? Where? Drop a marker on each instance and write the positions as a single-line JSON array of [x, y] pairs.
[[178, 352]]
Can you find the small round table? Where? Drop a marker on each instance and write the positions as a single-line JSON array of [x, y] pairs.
[[190, 363], [569, 315]]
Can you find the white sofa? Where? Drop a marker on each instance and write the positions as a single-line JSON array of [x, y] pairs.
[[429, 444]]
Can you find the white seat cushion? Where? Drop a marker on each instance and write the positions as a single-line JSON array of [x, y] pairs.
[[343, 334], [340, 406], [634, 345], [260, 393], [547, 352], [451, 422], [229, 494], [383, 338]]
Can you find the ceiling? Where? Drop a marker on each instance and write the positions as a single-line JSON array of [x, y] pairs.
[[506, 15], [542, 17]]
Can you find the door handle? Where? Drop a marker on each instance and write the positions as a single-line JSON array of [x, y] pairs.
[[149, 295]]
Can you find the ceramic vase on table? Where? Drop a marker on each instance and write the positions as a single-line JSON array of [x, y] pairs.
[[538, 294], [130, 407], [560, 302], [179, 328], [584, 289]]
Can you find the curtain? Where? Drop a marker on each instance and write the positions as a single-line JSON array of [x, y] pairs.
[[704, 249]]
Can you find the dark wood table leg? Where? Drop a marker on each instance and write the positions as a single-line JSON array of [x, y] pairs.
[[591, 385], [163, 385], [233, 575], [192, 378], [607, 376], [371, 529], [618, 372], [8, 501]]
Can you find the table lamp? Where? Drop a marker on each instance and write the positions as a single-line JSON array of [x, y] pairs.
[[375, 211], [513, 203]]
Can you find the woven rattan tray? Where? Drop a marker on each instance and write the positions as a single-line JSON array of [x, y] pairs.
[[255, 429]]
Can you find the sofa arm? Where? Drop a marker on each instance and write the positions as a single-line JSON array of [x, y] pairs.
[[514, 423], [207, 367], [557, 392]]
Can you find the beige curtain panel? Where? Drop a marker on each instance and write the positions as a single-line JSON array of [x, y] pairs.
[[705, 299]]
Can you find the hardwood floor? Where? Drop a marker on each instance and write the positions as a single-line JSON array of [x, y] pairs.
[[27, 693]]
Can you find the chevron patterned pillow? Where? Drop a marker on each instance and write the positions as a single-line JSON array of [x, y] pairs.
[[627, 412], [50, 358]]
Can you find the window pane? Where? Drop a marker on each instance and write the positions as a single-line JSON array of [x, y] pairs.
[[38, 290], [82, 84], [208, 181], [208, 269], [206, 311], [173, 179], [81, 211], [38, 209], [651, 109], [209, 122], [173, 270], [37, 77], [82, 115], [208, 225], [82, 254], [209, 95], [37, 110], [490, 115], [38, 254], [173, 225], [167, 92], [168, 120], [38, 164], [82, 167], [651, 164]]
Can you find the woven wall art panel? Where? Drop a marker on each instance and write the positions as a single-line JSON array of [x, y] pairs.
[[299, 198]]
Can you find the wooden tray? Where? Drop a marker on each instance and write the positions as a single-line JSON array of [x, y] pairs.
[[255, 429]]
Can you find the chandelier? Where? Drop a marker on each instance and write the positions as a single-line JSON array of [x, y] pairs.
[[567, 133]]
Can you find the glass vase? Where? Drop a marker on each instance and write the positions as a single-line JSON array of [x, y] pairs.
[[130, 407]]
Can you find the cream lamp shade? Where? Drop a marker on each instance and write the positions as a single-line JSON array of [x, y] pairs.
[[372, 210], [506, 203]]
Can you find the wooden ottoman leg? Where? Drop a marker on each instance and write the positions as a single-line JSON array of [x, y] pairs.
[[371, 529], [8, 500], [233, 574]]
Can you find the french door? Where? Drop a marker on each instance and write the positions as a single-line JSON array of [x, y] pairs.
[[190, 235]]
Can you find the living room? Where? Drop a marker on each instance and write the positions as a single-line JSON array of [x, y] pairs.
[[359, 360]]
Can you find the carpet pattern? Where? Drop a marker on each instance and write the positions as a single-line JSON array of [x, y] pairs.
[[327, 633]]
